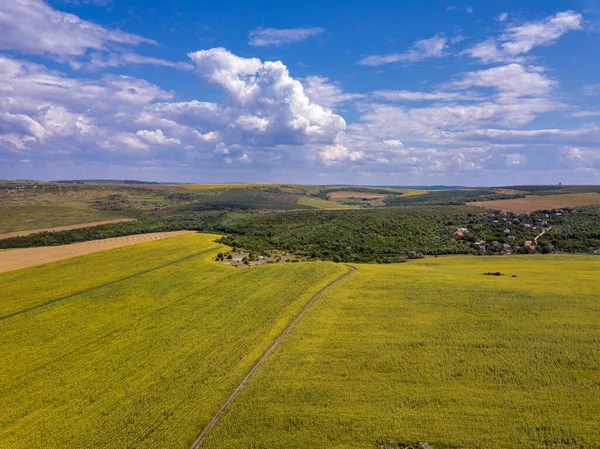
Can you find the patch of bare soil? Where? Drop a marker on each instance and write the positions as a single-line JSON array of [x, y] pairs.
[[355, 195], [62, 228], [15, 259], [541, 202]]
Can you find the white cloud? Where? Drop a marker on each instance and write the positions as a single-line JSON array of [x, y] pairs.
[[244, 158], [457, 39], [124, 142], [339, 153], [595, 113], [263, 37], [421, 50], [90, 2], [521, 39], [31, 26], [407, 95], [322, 92], [515, 159], [513, 79], [517, 41], [102, 60], [157, 137], [591, 89], [34, 27], [502, 17], [265, 104], [393, 143], [265, 114], [208, 137]]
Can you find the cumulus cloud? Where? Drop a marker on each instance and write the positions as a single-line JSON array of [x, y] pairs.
[[393, 143], [339, 153], [265, 103], [264, 37], [265, 114], [477, 121], [473, 124], [49, 111], [517, 41], [156, 137], [421, 50]]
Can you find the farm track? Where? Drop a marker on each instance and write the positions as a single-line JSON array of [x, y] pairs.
[[15, 259], [8, 235], [541, 234], [98, 287], [217, 416]]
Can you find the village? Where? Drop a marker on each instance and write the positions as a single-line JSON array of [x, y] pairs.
[[510, 232]]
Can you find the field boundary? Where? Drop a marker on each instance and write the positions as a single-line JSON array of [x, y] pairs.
[[90, 224], [107, 284], [217, 416], [18, 258]]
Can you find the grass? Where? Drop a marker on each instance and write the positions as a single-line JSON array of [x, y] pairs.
[[139, 346], [233, 185], [434, 351], [208, 186], [34, 216], [404, 192], [56, 204], [542, 202], [322, 204]]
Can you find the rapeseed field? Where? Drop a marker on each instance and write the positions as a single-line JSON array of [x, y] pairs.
[[434, 351], [139, 346]]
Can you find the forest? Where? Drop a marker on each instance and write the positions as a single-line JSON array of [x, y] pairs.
[[380, 235]]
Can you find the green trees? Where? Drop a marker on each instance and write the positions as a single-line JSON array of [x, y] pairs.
[[365, 235]]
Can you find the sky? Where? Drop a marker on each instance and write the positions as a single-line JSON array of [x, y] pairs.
[[472, 93]]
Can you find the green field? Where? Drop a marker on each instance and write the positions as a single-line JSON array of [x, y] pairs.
[[322, 204], [137, 347], [435, 351], [225, 186], [43, 205], [140, 346], [34, 216]]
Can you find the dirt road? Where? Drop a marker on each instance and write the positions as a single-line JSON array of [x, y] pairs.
[[62, 228], [26, 257], [217, 416], [542, 233]]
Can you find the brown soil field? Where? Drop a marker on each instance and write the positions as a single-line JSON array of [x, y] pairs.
[[343, 194], [26, 257], [533, 203], [62, 228]]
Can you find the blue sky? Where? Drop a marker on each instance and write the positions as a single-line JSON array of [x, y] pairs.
[[394, 93]]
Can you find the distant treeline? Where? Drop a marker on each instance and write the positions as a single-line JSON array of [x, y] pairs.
[[142, 226], [446, 197], [365, 235]]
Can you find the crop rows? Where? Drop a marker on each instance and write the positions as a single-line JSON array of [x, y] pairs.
[[434, 351], [137, 359]]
